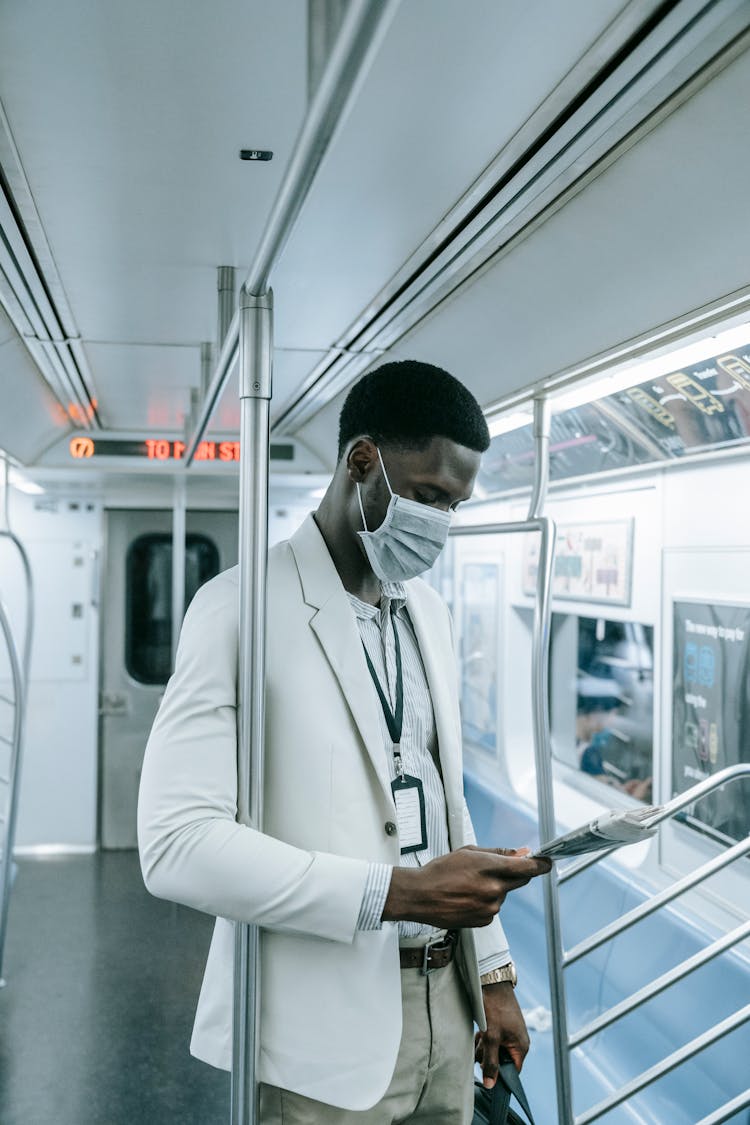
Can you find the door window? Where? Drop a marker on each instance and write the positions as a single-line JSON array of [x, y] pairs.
[[148, 594]]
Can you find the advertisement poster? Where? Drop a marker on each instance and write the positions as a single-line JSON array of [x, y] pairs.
[[479, 644], [592, 562], [711, 710]]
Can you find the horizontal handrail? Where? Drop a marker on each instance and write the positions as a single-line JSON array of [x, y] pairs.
[[666, 1065], [727, 1110], [225, 365], [681, 801], [7, 699], [651, 905], [661, 983], [7, 741], [500, 528]]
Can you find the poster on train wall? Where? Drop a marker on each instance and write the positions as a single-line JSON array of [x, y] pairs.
[[593, 562], [711, 710]]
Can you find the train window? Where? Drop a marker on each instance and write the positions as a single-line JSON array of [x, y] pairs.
[[582, 441], [602, 690], [148, 599], [698, 408]]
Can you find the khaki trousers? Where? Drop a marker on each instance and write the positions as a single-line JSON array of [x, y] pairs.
[[433, 1083]]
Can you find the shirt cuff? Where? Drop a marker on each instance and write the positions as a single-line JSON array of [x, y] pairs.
[[375, 893], [494, 961]]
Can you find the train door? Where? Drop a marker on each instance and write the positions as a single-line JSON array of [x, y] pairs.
[[136, 642]]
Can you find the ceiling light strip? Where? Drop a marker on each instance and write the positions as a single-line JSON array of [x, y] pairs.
[[37, 323], [726, 312], [27, 261]]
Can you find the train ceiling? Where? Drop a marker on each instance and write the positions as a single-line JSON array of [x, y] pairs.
[[430, 231]]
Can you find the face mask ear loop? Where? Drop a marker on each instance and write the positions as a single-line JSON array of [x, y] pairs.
[[362, 511], [385, 474]]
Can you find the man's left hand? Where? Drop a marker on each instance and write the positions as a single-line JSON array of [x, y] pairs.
[[506, 1028]]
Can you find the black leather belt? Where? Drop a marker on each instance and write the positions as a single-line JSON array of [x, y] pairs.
[[429, 957]]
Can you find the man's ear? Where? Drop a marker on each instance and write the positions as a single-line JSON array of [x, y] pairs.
[[360, 459]]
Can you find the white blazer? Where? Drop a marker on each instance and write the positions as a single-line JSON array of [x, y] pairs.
[[330, 994]]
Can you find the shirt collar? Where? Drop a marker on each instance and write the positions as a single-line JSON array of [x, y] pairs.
[[392, 594]]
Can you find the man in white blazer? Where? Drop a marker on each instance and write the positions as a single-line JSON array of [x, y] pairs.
[[365, 874]]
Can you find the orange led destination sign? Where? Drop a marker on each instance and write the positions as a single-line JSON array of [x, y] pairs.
[[166, 449]]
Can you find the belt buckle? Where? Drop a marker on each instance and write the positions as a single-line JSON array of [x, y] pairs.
[[425, 969]]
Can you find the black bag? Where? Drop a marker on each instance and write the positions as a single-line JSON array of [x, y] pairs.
[[492, 1107]]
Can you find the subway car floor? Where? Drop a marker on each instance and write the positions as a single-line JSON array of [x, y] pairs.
[[102, 982]]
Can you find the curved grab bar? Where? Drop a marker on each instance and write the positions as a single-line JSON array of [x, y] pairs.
[[540, 640], [6, 533], [669, 810], [20, 673], [14, 774]]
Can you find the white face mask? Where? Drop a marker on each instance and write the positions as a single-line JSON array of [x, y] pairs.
[[409, 539]]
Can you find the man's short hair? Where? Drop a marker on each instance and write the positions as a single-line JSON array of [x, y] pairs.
[[408, 403]]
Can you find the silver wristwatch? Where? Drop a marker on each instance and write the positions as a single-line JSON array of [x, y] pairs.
[[499, 976]]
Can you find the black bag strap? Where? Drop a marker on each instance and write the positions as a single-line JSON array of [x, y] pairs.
[[499, 1104], [508, 1083]]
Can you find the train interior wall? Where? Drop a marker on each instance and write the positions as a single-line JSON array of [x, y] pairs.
[[65, 536], [690, 538]]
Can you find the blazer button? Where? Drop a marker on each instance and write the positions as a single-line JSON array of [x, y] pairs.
[[390, 828]]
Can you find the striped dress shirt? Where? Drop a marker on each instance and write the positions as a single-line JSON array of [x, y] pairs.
[[419, 752]]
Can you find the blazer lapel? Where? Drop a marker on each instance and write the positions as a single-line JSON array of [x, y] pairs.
[[335, 626]]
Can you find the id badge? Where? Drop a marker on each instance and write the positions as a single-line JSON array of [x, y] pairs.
[[408, 793]]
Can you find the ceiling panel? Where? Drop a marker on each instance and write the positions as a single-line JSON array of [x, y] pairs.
[[144, 387], [662, 232], [289, 368], [128, 119], [31, 417], [449, 87]]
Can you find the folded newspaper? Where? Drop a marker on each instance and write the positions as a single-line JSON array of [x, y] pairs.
[[610, 830]]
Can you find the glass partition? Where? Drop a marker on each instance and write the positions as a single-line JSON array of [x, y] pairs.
[[601, 698]]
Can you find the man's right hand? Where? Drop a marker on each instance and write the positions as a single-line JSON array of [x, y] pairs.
[[464, 888]]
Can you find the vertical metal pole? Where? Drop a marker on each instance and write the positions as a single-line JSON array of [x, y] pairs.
[[206, 357], [543, 756], [178, 560], [256, 352], [542, 417], [225, 287]]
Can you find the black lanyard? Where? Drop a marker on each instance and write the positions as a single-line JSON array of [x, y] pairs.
[[394, 720]]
